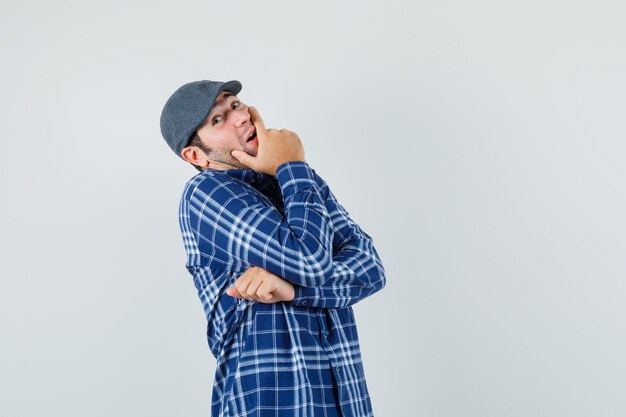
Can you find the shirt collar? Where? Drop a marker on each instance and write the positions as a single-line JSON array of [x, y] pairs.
[[246, 175]]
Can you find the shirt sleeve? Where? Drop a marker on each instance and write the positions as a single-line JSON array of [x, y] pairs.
[[358, 271], [235, 227]]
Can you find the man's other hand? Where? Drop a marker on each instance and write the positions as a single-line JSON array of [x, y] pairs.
[[275, 147], [257, 284]]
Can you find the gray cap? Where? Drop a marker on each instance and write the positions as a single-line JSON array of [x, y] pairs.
[[188, 108]]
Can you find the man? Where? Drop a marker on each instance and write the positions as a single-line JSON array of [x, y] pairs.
[[276, 260]]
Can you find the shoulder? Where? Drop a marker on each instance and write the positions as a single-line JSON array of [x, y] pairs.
[[217, 186]]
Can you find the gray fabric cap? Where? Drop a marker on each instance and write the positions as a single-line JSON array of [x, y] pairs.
[[188, 108]]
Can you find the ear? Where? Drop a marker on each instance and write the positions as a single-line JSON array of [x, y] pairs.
[[195, 155]]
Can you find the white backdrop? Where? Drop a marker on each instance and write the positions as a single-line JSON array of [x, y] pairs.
[[481, 144]]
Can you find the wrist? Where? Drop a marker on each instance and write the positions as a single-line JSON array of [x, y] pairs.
[[305, 296], [294, 176], [286, 164]]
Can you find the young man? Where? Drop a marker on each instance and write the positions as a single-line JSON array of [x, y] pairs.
[[276, 260]]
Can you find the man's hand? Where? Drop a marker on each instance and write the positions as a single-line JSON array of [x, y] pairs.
[[275, 147], [257, 284]]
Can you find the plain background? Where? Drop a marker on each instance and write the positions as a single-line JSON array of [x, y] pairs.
[[481, 144]]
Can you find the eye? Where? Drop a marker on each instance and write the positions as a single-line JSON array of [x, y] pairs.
[[236, 104], [216, 120]]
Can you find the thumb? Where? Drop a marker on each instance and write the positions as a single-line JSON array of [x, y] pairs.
[[243, 157], [232, 291], [257, 121]]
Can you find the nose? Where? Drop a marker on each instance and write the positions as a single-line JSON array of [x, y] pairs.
[[241, 116]]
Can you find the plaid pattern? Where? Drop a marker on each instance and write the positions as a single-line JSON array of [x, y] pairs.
[[298, 358]]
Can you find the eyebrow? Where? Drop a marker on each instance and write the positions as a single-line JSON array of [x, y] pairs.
[[220, 102], [224, 98]]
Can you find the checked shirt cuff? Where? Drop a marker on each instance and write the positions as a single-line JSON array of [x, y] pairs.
[[304, 296], [294, 176]]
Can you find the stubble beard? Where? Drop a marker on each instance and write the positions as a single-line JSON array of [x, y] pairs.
[[225, 159]]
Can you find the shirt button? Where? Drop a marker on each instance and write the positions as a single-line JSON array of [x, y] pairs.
[[338, 369]]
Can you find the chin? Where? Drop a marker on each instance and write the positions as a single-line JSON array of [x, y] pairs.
[[251, 152]]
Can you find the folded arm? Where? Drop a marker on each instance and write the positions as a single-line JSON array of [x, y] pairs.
[[358, 271], [237, 228]]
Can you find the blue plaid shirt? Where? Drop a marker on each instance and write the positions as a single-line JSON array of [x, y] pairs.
[[297, 358]]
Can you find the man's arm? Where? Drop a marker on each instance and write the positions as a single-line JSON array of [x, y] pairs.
[[357, 269], [234, 226]]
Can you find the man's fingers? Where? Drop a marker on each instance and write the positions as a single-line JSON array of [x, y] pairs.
[[244, 158], [232, 291], [259, 125], [265, 291], [257, 121], [254, 286], [242, 283]]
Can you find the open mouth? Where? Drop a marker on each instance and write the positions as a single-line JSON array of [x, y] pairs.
[[252, 136]]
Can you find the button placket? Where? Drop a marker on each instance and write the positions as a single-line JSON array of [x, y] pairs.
[[322, 325]]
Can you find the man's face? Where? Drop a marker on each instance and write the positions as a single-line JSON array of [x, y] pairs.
[[228, 127]]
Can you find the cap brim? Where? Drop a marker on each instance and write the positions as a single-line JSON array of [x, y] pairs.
[[233, 87]]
